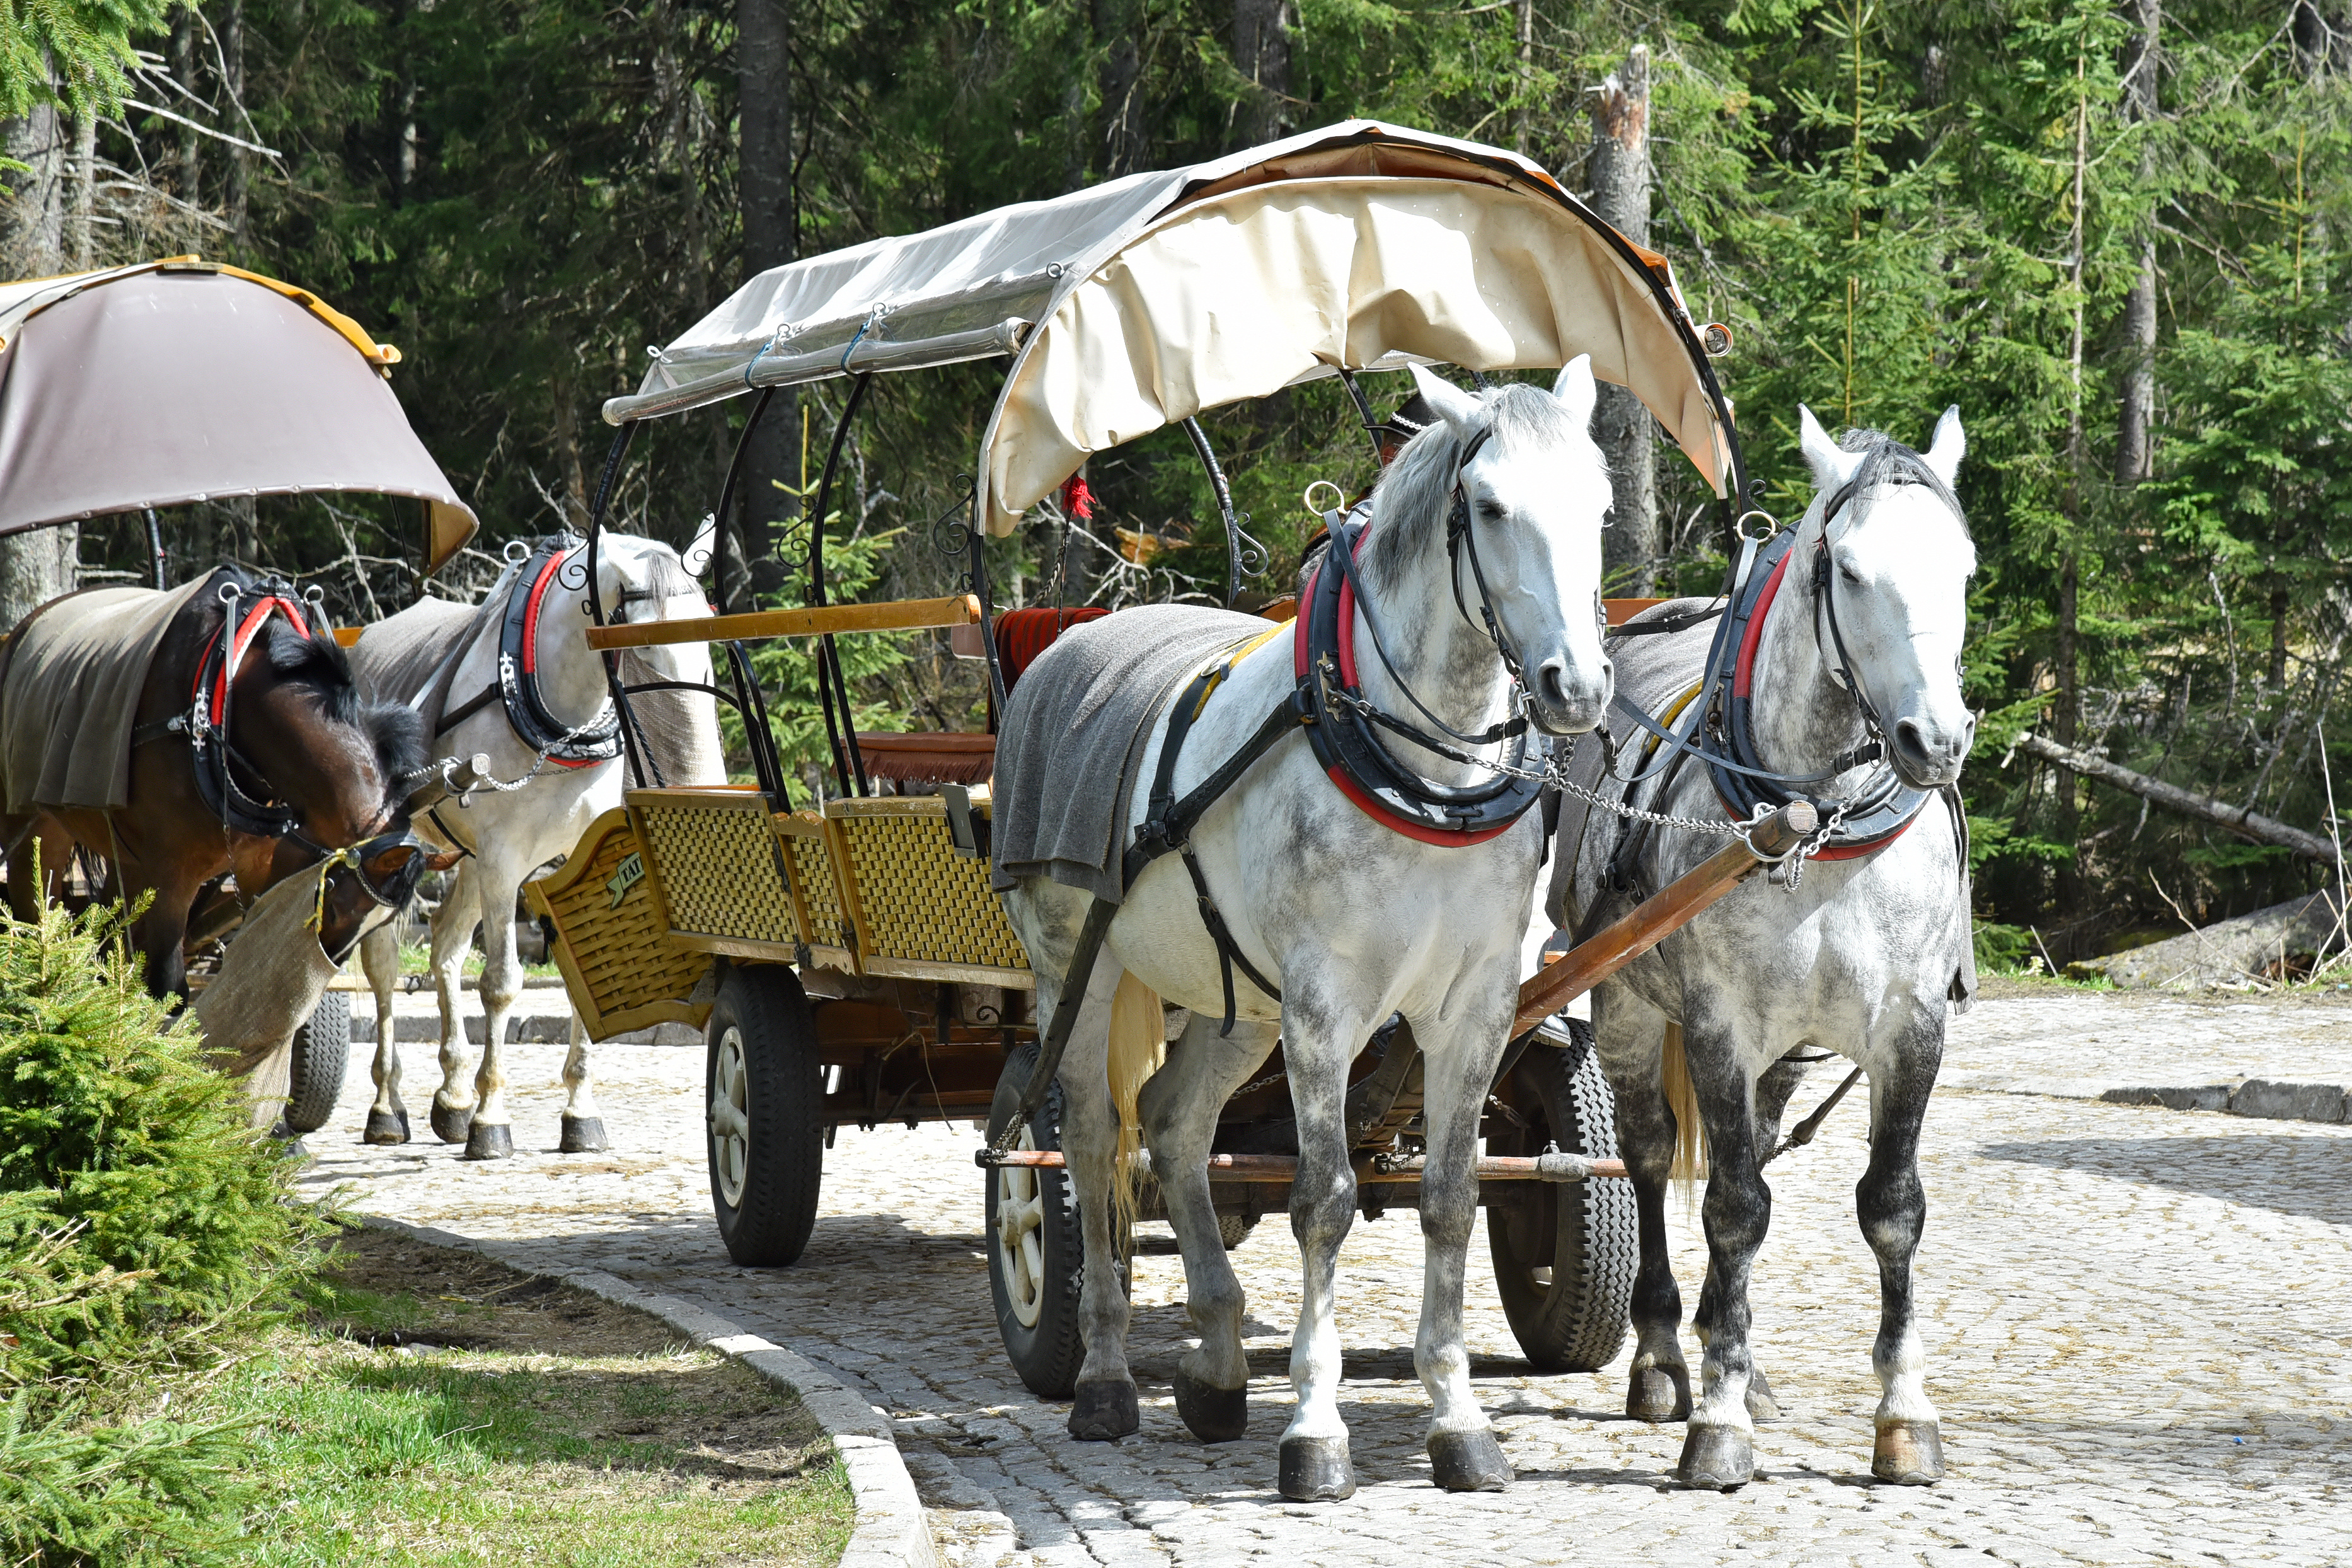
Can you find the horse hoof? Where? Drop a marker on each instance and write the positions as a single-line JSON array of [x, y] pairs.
[[452, 1126], [1762, 1405], [1468, 1461], [1716, 1458], [1316, 1469], [384, 1129], [1909, 1454], [1658, 1393], [583, 1135], [1213, 1415], [485, 1142], [1104, 1412]]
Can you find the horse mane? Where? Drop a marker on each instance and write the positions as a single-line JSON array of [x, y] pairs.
[[1412, 497], [318, 664], [1887, 463]]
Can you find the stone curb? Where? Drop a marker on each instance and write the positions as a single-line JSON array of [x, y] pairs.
[[2259, 1097], [891, 1531]]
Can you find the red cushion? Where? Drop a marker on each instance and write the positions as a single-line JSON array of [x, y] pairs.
[[1023, 635]]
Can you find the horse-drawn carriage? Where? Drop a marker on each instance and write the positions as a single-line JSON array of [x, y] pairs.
[[846, 955]]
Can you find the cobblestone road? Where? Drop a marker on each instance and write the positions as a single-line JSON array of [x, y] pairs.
[[2139, 1323]]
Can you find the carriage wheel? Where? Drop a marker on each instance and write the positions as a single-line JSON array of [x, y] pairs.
[[763, 1094], [1565, 1253], [1036, 1258], [1233, 1229], [321, 1050]]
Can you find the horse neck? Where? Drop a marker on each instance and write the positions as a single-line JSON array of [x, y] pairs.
[[570, 674], [1802, 719], [1451, 664]]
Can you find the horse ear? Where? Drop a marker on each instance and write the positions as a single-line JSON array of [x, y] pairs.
[[1832, 465], [1458, 408], [1576, 389], [1950, 445]]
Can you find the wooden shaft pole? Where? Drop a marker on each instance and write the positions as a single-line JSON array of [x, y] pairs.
[[899, 616], [1662, 914]]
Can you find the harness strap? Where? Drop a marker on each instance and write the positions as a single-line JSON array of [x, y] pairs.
[[1169, 822]]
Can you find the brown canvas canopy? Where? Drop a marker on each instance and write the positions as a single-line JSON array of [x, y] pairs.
[[181, 381]]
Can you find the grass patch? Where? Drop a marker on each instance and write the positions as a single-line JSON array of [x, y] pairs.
[[440, 1409]]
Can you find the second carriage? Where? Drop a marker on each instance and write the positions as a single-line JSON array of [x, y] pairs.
[[842, 949]]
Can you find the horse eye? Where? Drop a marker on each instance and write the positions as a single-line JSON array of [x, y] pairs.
[[1848, 572], [1492, 512]]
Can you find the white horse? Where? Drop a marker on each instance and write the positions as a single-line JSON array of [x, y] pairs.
[[1864, 958], [505, 837], [1350, 920]]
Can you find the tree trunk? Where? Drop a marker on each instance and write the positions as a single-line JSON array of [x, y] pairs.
[[1522, 119], [37, 565], [2134, 439], [764, 99], [1118, 26], [83, 180], [1621, 425], [233, 188], [404, 111], [2246, 823], [187, 167], [1261, 54]]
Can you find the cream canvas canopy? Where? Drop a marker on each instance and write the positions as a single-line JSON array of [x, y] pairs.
[[1145, 301], [181, 381]]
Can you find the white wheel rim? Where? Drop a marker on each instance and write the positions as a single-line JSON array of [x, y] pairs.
[[1020, 1237], [730, 1118]]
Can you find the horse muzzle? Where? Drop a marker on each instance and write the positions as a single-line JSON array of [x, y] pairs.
[[1926, 753], [1567, 698]]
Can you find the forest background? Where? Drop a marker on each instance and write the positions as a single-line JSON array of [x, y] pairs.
[[2117, 235]]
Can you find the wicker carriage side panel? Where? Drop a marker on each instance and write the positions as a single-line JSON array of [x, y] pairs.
[[716, 861], [619, 965], [923, 902], [810, 861]]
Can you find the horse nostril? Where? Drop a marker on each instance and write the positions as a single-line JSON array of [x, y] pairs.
[[1555, 690]]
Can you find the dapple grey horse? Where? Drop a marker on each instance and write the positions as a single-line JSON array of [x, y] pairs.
[[1864, 958], [507, 836], [1352, 921]]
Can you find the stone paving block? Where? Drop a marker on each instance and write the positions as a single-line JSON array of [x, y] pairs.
[[2288, 1101]]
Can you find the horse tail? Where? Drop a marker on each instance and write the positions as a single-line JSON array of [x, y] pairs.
[[1138, 1044], [1690, 1139]]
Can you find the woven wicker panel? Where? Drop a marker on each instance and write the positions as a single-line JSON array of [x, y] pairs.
[[812, 869], [922, 900], [619, 964], [717, 861]]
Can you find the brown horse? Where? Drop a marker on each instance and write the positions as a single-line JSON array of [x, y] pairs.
[[250, 752]]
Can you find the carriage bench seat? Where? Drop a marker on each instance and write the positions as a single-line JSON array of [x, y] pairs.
[[928, 759]]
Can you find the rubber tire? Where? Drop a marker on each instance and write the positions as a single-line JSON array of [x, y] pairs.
[[769, 1226], [1233, 1229], [1578, 1322], [1047, 1355], [314, 1072]]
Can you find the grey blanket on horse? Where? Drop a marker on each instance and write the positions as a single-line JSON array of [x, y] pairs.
[[1652, 671], [407, 659], [69, 694], [1072, 739]]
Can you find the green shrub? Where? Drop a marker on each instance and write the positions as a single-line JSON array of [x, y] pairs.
[[145, 1230]]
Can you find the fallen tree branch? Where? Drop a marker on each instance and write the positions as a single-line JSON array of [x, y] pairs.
[[2245, 823]]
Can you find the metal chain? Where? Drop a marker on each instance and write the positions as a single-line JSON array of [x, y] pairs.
[[443, 767]]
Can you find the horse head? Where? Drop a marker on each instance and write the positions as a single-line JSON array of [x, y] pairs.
[[304, 734], [642, 580], [1523, 487], [1887, 555]]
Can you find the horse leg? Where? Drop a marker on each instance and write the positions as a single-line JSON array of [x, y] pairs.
[[1103, 1407], [387, 1117], [1180, 1105], [492, 1137], [1892, 1208], [1319, 1037], [1718, 1451], [583, 1128], [1772, 1092], [1630, 1035], [1458, 1061], [453, 938]]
